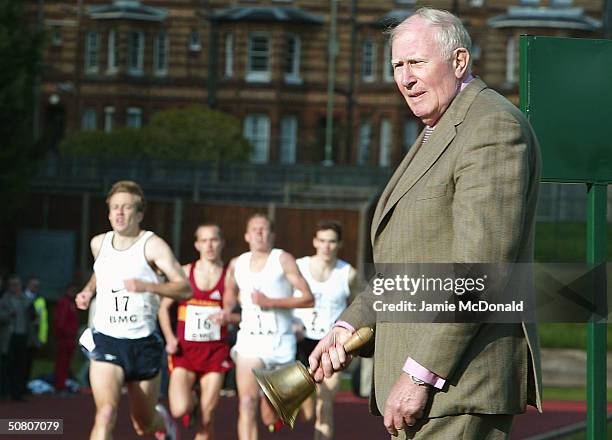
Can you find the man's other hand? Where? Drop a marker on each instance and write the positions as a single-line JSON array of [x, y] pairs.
[[405, 404]]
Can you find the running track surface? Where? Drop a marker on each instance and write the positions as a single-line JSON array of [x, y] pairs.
[[351, 413]]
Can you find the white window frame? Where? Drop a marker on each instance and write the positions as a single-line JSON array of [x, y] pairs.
[[111, 52], [292, 66], [410, 133], [89, 119], [229, 55], [288, 139], [560, 3], [195, 43], [136, 68], [92, 51], [387, 66], [257, 132], [384, 156], [364, 143], [511, 60], [259, 75], [368, 60], [56, 36], [133, 117], [161, 53], [109, 119]]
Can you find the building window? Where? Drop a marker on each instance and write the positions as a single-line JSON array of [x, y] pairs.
[[113, 64], [476, 3], [411, 132], [134, 117], [92, 45], [368, 73], [229, 55], [194, 42], [109, 119], [136, 52], [56, 36], [529, 2], [560, 3], [88, 121], [363, 143], [385, 143], [258, 62], [292, 59], [511, 64], [257, 132], [387, 66], [288, 139], [160, 55], [476, 51]]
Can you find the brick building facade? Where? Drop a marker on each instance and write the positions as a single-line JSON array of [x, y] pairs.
[[113, 63]]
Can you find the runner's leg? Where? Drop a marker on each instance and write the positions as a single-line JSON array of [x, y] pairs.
[[106, 380], [248, 394], [324, 424], [210, 385], [179, 391], [143, 398]]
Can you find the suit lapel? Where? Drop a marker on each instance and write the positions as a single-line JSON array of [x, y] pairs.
[[414, 166], [397, 175]]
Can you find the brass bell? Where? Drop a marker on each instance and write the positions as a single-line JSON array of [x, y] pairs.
[[288, 387]]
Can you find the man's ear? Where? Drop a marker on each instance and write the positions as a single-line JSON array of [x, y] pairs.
[[461, 61]]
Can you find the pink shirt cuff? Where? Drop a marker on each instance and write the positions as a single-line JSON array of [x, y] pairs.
[[415, 369], [345, 325]]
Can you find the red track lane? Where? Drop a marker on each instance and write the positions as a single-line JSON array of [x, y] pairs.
[[352, 419]]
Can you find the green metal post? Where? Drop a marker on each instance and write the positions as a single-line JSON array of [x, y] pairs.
[[596, 343]]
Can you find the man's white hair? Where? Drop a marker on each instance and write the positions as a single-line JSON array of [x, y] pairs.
[[450, 35]]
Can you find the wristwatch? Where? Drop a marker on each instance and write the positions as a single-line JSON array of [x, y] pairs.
[[417, 381]]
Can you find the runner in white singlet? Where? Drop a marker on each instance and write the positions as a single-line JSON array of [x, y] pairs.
[[332, 282], [124, 346], [263, 281]]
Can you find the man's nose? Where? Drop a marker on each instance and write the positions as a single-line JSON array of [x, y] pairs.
[[408, 78]]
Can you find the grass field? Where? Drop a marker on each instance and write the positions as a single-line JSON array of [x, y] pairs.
[[564, 243]]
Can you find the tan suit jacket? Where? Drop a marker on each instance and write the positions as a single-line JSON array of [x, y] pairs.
[[468, 195]]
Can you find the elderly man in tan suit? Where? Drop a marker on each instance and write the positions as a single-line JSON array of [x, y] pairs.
[[466, 192]]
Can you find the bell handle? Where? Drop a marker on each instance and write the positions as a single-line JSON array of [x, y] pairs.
[[358, 339]]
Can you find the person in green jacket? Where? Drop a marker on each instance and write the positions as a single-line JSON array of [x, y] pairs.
[[41, 321]]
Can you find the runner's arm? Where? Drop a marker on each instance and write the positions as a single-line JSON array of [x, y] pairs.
[[159, 254], [165, 323], [297, 281], [355, 284], [83, 298]]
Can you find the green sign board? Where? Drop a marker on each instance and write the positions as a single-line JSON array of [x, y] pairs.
[[566, 93]]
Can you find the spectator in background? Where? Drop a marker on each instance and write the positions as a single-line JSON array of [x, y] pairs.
[[65, 326], [21, 327], [38, 338]]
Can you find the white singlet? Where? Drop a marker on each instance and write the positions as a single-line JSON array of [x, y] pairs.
[[330, 298], [264, 333], [119, 313]]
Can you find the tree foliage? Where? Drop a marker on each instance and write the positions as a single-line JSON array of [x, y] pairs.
[[124, 143], [195, 133], [20, 57], [188, 133]]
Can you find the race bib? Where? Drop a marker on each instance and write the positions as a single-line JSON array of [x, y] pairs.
[[256, 321], [198, 327], [318, 322]]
